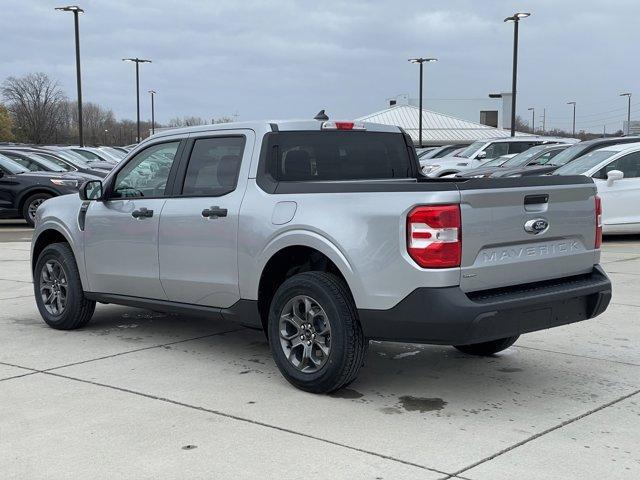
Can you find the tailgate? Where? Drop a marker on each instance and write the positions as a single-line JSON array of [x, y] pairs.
[[523, 230]]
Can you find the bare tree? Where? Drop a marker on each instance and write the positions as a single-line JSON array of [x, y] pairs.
[[37, 106], [188, 121]]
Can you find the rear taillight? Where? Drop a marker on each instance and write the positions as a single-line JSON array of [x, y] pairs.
[[434, 236], [598, 241]]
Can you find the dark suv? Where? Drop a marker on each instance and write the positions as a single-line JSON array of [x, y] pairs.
[[22, 191]]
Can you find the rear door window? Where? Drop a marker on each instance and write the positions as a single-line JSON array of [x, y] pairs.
[[213, 166], [348, 155]]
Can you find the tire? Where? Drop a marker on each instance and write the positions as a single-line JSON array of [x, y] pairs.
[[346, 342], [488, 348], [31, 204], [77, 310]]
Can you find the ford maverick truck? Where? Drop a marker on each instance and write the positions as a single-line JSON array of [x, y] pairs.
[[325, 235]]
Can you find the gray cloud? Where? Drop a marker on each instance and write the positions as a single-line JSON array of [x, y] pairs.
[[280, 59]]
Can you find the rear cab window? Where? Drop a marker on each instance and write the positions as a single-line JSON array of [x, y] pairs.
[[307, 156]]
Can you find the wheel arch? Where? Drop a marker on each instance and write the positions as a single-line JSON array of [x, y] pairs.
[[46, 237], [296, 257], [32, 191]]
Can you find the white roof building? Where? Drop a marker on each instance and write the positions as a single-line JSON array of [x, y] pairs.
[[437, 128]]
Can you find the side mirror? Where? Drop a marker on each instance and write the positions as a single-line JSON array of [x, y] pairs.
[[613, 176], [481, 155], [91, 190]]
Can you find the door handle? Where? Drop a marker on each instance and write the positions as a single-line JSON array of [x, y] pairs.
[[142, 213], [214, 212]]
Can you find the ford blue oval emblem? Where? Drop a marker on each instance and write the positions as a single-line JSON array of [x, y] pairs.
[[536, 226]]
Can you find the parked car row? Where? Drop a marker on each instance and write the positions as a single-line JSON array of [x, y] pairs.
[[29, 175], [613, 163]]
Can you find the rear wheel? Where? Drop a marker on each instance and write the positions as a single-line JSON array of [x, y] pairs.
[[488, 348], [58, 289], [30, 206], [314, 332]]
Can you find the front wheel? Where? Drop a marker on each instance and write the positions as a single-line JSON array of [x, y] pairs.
[[488, 348], [314, 333], [30, 206], [58, 289]]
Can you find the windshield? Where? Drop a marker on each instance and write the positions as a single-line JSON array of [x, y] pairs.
[[524, 157], [583, 164], [46, 164], [73, 158], [90, 156], [471, 149], [496, 162], [52, 159], [11, 166], [569, 154]]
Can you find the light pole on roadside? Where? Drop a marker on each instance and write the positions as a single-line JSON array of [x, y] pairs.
[[574, 118], [153, 114], [137, 61], [76, 11], [628, 95], [533, 119], [105, 136], [515, 18], [420, 61]]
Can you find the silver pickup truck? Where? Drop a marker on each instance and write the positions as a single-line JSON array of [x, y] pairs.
[[325, 235]]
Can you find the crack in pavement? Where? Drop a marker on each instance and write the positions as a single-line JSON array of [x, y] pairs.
[[579, 356], [545, 432], [250, 421], [150, 347], [19, 296], [14, 280]]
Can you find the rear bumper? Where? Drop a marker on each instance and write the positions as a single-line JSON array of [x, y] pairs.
[[450, 316]]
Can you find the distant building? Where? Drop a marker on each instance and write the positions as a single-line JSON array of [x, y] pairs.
[[437, 128], [492, 111]]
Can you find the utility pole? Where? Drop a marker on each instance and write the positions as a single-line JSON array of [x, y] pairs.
[[533, 119], [574, 117], [544, 119], [153, 114], [137, 61], [515, 18], [628, 95], [420, 61], [76, 11]]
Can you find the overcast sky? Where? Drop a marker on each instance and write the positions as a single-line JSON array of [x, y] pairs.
[[285, 58]]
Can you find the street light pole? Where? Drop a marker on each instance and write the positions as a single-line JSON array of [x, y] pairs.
[[420, 61], [153, 115], [533, 119], [137, 61], [574, 117], [515, 18], [76, 11], [628, 95]]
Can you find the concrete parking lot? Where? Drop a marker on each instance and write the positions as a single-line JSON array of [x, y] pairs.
[[138, 394]]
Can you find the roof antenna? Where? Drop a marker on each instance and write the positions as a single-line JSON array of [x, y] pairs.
[[321, 116]]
